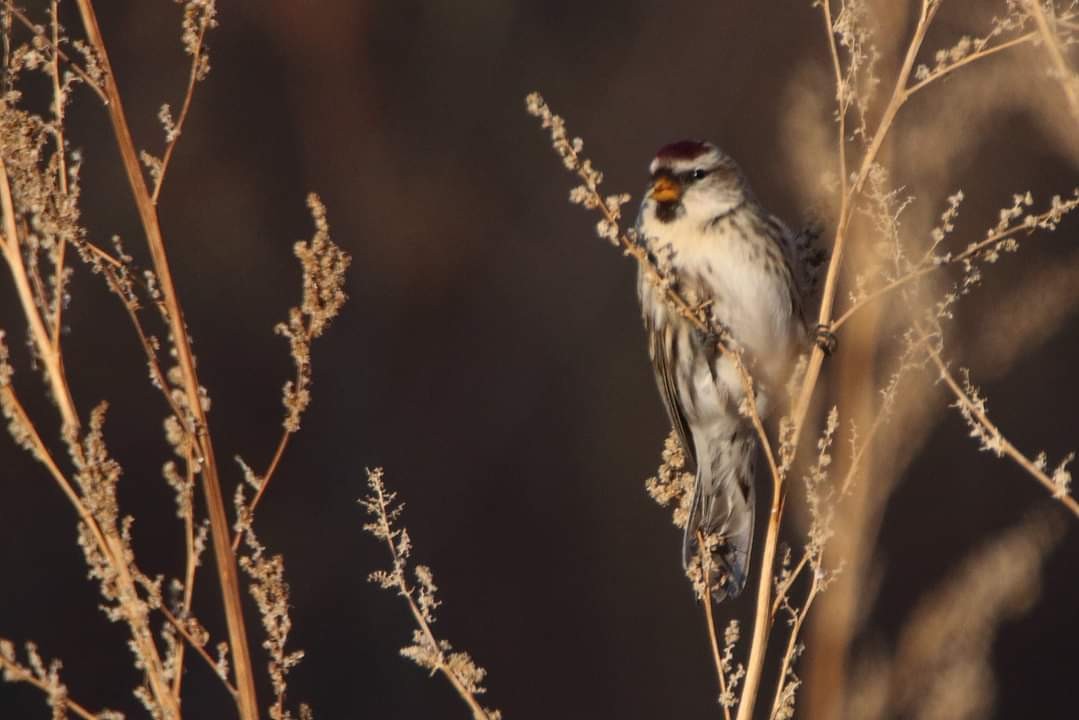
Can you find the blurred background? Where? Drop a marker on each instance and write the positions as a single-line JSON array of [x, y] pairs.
[[491, 356]]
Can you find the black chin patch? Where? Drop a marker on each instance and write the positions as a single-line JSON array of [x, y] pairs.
[[667, 211]]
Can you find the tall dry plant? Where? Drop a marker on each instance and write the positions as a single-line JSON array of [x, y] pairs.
[[898, 273], [893, 286], [42, 243]]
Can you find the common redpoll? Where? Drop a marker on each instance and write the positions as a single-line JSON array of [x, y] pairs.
[[723, 252]]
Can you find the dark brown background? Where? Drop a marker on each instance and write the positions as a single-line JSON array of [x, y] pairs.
[[490, 356]]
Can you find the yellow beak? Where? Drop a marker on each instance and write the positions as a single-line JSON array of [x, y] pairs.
[[666, 190]]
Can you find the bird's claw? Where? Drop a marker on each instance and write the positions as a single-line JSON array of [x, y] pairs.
[[825, 339]]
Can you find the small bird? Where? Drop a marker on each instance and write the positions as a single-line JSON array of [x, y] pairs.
[[724, 252]]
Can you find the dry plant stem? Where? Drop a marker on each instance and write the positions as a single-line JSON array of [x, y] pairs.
[[1068, 80], [147, 347], [61, 172], [264, 481], [189, 580], [42, 454], [707, 600], [179, 627], [841, 120], [763, 617], [112, 548], [792, 645], [782, 590], [984, 53], [27, 677], [53, 46], [219, 526], [48, 353], [171, 147], [970, 252], [1006, 447], [478, 713], [844, 489]]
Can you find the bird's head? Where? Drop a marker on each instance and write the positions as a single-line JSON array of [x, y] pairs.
[[693, 179]]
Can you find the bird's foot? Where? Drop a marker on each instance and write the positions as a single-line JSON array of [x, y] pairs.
[[825, 339]]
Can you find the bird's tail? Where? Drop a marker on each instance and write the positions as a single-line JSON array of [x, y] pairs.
[[723, 511]]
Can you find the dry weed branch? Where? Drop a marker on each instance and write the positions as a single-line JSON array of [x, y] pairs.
[[426, 650], [727, 673], [47, 680], [271, 594], [200, 16], [972, 405], [997, 240], [90, 76], [323, 264], [219, 526]]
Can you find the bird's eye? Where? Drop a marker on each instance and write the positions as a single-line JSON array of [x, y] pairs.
[[699, 174]]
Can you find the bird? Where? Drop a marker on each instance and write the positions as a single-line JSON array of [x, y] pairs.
[[723, 252]]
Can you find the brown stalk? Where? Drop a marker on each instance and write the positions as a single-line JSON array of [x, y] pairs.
[[110, 544], [219, 527], [61, 172], [763, 618], [49, 355]]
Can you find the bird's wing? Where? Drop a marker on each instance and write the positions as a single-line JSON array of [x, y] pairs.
[[808, 260], [661, 349]]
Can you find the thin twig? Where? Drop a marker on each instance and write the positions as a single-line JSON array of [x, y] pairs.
[[192, 80], [18, 673], [9, 244], [1005, 446], [42, 454], [190, 567], [387, 534], [840, 89], [32, 27], [717, 658], [932, 265], [176, 623], [61, 173], [112, 550], [219, 525], [763, 618], [264, 482], [979, 55], [792, 645]]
